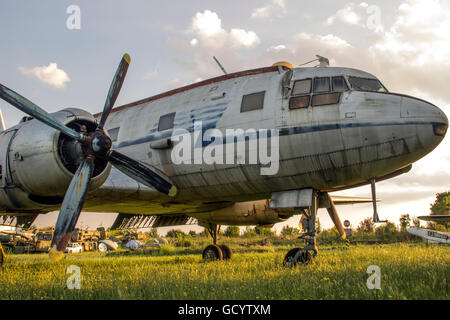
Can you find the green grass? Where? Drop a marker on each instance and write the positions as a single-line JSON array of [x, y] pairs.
[[408, 271]]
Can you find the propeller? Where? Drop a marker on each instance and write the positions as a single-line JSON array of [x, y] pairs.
[[95, 144]]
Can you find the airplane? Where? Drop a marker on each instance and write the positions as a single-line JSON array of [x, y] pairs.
[[432, 236], [327, 129]]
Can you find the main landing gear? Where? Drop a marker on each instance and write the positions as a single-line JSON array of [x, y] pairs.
[[308, 223], [215, 251]]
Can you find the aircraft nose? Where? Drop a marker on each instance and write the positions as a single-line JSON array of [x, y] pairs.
[[432, 123]]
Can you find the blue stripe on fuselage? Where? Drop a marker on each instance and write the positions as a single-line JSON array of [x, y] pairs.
[[282, 131]]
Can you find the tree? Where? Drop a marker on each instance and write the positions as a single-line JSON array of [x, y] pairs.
[[174, 233], [232, 231], [416, 222], [249, 232], [367, 225], [441, 205], [387, 231], [264, 231], [405, 221]]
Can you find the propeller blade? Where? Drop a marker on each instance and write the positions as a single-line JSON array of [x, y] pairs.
[[33, 110], [142, 173], [71, 208], [114, 89]]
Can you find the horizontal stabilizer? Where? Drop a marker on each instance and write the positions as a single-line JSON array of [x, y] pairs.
[[436, 218]]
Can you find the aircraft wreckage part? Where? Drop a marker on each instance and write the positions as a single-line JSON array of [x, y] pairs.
[[72, 205]]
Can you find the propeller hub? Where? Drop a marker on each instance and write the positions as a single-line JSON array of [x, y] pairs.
[[100, 143]]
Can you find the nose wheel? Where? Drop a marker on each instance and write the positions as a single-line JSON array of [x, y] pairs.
[[215, 251]]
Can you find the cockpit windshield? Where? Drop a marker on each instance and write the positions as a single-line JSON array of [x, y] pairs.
[[366, 84]]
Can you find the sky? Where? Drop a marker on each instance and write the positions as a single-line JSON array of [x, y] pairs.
[[64, 54]]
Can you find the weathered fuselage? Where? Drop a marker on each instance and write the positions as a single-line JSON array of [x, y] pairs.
[[355, 136]]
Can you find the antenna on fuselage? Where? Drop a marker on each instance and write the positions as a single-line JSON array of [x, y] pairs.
[[324, 62], [221, 67]]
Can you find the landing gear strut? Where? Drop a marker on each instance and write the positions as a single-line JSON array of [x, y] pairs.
[[306, 254], [214, 251]]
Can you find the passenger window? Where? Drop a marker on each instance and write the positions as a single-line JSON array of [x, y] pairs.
[[113, 134], [299, 102], [324, 99], [301, 87], [166, 122], [339, 84], [253, 101], [322, 84]]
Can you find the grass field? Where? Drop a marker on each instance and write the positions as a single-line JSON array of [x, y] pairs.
[[408, 271]]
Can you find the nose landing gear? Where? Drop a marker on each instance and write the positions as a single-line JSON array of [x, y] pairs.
[[306, 254], [214, 251]]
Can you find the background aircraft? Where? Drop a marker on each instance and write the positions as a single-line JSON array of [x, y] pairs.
[[433, 236]]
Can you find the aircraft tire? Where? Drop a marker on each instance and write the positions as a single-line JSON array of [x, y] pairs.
[[212, 252], [297, 256], [227, 253]]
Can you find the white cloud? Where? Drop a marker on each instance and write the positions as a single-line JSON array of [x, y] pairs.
[[207, 23], [50, 74], [277, 48], [347, 15], [245, 38], [207, 26], [272, 8]]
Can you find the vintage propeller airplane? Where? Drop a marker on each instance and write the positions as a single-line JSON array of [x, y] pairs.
[[327, 128], [433, 236]]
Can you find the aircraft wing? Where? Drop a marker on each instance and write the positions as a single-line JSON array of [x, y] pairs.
[[436, 218], [341, 200]]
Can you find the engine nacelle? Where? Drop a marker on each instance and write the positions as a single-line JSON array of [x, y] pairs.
[[38, 162], [246, 213]]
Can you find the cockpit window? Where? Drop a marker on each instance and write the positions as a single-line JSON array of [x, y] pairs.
[[365, 84], [301, 87], [339, 84], [322, 84]]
